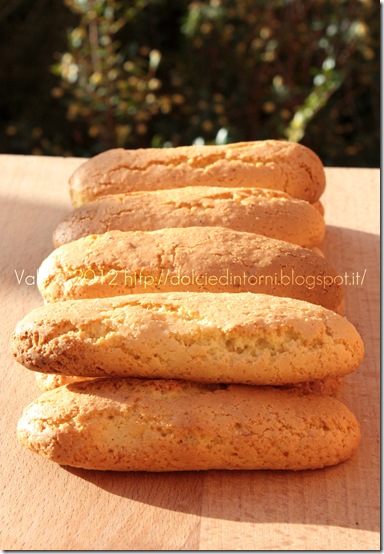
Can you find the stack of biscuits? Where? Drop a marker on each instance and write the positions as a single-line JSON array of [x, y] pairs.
[[190, 321]]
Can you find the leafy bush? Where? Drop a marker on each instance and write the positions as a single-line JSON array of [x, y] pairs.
[[172, 72]]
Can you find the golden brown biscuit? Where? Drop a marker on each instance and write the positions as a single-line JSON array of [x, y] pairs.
[[269, 213], [194, 259], [138, 425], [48, 381], [319, 207], [204, 337], [329, 386], [272, 164]]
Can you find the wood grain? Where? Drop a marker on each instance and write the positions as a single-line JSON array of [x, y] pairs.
[[48, 507]]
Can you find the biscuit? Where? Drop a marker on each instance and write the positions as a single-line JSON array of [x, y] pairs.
[[205, 337], [47, 381], [191, 259], [269, 213], [330, 386], [272, 164], [319, 207], [327, 387], [138, 425]]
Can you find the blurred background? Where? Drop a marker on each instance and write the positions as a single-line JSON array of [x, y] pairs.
[[81, 76]]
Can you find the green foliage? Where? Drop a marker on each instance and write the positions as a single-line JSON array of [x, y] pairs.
[[269, 68], [109, 85], [145, 73]]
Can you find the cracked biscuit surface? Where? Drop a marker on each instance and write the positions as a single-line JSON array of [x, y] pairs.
[[269, 213], [272, 164], [205, 337], [191, 259], [328, 386], [50, 381], [165, 425]]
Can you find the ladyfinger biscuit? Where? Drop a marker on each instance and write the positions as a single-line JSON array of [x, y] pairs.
[[269, 213], [319, 207], [46, 381], [205, 337], [138, 425], [193, 259], [271, 164], [330, 386]]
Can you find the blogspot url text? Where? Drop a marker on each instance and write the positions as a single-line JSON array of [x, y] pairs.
[[164, 278]]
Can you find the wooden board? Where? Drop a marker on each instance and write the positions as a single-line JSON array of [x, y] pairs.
[[47, 507]]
